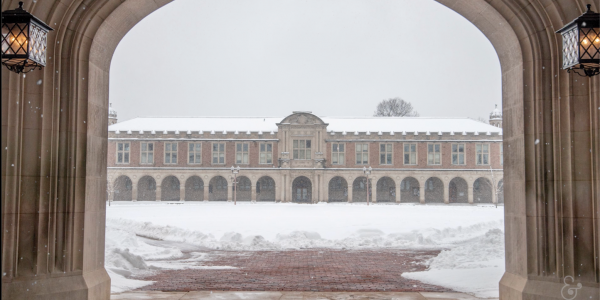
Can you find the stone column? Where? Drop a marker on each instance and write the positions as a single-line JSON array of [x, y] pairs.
[[181, 192], [398, 192], [373, 188], [350, 193], [446, 193], [421, 193], [230, 191], [253, 192], [470, 194], [158, 193], [134, 192], [206, 191]]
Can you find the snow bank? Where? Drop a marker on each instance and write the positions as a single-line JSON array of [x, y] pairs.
[[429, 238], [474, 266], [473, 261]]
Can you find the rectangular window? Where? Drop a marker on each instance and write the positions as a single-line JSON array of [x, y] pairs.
[[434, 154], [362, 154], [483, 154], [122, 153], [458, 154], [218, 153], [147, 153], [241, 153], [501, 154], [194, 153], [266, 153], [338, 154], [385, 154], [302, 149], [410, 154], [170, 153]]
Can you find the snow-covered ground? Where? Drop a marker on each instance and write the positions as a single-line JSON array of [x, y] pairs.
[[142, 236]]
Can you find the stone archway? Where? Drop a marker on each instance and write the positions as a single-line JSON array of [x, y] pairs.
[[265, 189], [458, 191], [146, 189], [483, 191], [194, 189], [217, 189], [338, 190], [538, 97], [410, 190], [170, 189], [386, 189], [434, 190], [359, 189], [123, 189], [243, 189], [302, 190]]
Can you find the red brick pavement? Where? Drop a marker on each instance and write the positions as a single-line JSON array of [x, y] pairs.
[[303, 270]]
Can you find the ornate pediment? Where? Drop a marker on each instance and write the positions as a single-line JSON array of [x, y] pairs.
[[302, 118]]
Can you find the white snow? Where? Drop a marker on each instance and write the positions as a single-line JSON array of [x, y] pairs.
[[143, 236], [336, 124]]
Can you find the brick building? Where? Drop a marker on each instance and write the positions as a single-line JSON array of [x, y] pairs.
[[305, 158]]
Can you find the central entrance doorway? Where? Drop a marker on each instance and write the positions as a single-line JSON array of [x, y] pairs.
[[302, 190]]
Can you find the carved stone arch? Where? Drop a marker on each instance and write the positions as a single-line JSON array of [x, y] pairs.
[[410, 189], [386, 188], [337, 189], [522, 32], [266, 188]]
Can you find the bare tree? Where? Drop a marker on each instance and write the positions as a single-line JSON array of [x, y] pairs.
[[395, 107]]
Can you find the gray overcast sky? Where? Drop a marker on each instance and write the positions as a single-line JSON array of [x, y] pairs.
[[334, 58]]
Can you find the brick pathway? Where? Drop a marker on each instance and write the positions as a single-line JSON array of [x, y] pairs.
[[304, 270]]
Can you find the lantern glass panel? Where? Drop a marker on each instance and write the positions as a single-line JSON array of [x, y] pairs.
[[570, 47], [37, 46], [589, 47], [14, 38]]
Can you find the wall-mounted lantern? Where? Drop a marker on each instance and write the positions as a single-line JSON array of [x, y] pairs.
[[581, 44], [24, 40]]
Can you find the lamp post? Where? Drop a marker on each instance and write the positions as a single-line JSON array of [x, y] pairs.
[[367, 172], [581, 44], [235, 171], [24, 40]]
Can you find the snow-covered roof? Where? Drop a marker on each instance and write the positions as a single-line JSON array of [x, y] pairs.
[[419, 124], [232, 124], [337, 124]]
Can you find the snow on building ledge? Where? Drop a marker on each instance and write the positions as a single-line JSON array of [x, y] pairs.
[[341, 125]]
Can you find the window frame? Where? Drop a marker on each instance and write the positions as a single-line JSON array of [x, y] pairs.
[[128, 152], [439, 153], [337, 154], [416, 154], [306, 150], [260, 152], [362, 153], [212, 156], [242, 152], [452, 153], [194, 152], [482, 154], [142, 152], [171, 153], [391, 152]]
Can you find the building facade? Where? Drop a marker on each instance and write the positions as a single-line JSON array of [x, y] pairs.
[[304, 158]]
